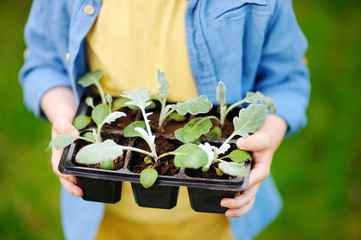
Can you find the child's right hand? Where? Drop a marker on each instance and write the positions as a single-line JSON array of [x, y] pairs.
[[60, 126]]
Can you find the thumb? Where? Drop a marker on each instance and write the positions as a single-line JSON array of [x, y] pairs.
[[256, 142], [63, 126]]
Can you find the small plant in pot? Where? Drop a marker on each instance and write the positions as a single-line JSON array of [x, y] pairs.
[[233, 164], [140, 98], [192, 153], [203, 125], [248, 121], [101, 114], [104, 152]]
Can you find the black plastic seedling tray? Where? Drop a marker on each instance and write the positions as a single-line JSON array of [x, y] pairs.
[[105, 185]]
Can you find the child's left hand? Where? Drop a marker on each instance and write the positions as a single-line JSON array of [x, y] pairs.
[[263, 144]]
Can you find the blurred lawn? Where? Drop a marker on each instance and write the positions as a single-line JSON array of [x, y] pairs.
[[318, 172]]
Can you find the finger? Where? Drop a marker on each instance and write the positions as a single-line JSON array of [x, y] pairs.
[[64, 126], [256, 142], [238, 212], [55, 158], [241, 200], [71, 187], [260, 168]]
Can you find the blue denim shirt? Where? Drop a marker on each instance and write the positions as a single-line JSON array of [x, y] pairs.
[[250, 45]]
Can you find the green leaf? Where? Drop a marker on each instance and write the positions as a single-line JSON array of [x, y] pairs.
[[152, 105], [210, 151], [81, 121], [89, 102], [164, 85], [107, 165], [216, 132], [109, 99], [138, 97], [119, 103], [258, 97], [148, 160], [238, 156], [190, 156], [148, 177], [233, 169], [177, 117], [194, 129], [194, 106], [113, 116], [221, 93], [219, 172], [90, 78], [90, 136], [99, 152], [99, 113], [250, 119], [130, 131], [61, 141]]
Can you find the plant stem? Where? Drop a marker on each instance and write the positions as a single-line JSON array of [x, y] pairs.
[[220, 149], [166, 154], [146, 121], [162, 112], [164, 115], [224, 114], [138, 150], [151, 144], [86, 139], [101, 92]]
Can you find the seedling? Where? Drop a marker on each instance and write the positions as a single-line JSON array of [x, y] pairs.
[[251, 97], [249, 120], [194, 106], [192, 154], [202, 125], [105, 152], [102, 109], [101, 114], [140, 98]]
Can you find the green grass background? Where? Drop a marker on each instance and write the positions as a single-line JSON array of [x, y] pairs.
[[318, 171]]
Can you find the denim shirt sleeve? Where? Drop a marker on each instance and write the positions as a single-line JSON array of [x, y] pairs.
[[43, 68], [282, 73]]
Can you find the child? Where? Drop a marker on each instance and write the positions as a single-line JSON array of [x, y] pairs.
[[250, 45]]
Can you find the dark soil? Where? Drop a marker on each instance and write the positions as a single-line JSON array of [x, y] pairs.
[[169, 126], [211, 173], [164, 144], [120, 123], [166, 164]]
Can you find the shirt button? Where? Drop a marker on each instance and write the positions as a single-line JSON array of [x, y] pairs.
[[89, 10], [26, 53], [68, 57]]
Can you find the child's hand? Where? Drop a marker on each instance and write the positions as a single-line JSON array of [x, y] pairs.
[[59, 105], [263, 144], [64, 126]]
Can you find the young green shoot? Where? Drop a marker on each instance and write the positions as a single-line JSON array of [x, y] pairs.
[[249, 120], [92, 78], [191, 132], [195, 105], [251, 97], [202, 125], [140, 98], [101, 114]]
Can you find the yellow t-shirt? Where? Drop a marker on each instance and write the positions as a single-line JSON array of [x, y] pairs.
[[129, 41]]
